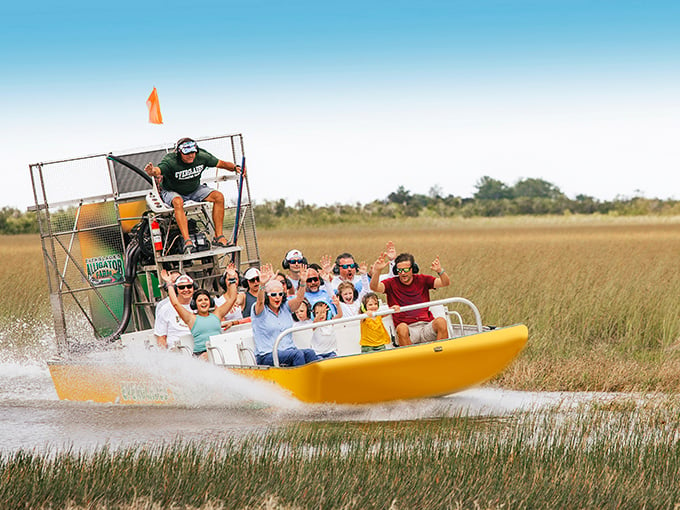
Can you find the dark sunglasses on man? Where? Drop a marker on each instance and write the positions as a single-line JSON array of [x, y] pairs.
[[313, 279], [349, 266]]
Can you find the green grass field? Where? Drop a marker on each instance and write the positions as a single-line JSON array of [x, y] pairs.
[[599, 296]]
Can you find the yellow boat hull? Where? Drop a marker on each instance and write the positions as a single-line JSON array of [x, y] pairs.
[[418, 371]]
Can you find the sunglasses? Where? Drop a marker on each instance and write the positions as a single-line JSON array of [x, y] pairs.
[[403, 269], [295, 261], [313, 279], [276, 294], [255, 279], [184, 287], [349, 266]]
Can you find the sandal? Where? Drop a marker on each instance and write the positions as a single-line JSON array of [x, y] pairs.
[[188, 246], [220, 241]]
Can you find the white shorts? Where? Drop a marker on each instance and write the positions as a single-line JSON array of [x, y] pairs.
[[421, 332]]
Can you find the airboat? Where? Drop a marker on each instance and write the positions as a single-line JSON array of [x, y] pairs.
[[106, 235]]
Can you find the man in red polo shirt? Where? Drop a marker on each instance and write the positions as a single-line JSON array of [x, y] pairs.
[[409, 287]]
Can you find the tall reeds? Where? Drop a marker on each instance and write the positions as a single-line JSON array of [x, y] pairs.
[[598, 457]]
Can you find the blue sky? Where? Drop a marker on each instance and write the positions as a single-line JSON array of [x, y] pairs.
[[343, 102]]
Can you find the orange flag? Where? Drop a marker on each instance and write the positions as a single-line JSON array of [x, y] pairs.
[[154, 107]]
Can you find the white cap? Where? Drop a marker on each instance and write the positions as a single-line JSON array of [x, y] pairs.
[[184, 279], [252, 273], [294, 254]]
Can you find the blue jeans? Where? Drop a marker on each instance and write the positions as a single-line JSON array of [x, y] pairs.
[[288, 357]]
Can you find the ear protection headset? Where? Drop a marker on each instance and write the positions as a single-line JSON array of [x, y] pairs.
[[308, 310], [192, 304], [404, 257], [321, 303], [364, 300], [222, 280], [286, 265]]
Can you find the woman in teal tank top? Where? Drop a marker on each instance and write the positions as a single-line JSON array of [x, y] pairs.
[[204, 323]]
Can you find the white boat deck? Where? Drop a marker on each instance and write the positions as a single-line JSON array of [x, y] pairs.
[[236, 347]]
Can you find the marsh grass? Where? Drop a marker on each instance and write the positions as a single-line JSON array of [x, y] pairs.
[[606, 456], [22, 277], [599, 294]]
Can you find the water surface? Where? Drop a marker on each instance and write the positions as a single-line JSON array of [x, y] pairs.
[[216, 404]]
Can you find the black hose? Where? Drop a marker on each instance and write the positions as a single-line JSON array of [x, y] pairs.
[[132, 254], [132, 167]]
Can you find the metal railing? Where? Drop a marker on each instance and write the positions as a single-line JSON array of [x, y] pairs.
[[379, 313]]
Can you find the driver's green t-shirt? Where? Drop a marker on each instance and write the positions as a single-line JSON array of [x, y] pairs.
[[181, 177]]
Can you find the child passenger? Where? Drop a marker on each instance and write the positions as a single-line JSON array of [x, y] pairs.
[[374, 335], [324, 342], [303, 314], [350, 299]]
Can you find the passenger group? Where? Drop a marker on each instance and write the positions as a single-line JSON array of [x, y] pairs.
[[306, 294]]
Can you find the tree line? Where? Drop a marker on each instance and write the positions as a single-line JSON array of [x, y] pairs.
[[491, 198]]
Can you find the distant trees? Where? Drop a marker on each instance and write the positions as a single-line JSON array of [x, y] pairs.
[[492, 197], [13, 221], [493, 189]]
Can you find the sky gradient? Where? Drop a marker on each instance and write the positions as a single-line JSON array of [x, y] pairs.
[[344, 102]]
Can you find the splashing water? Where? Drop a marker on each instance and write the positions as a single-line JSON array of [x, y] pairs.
[[211, 403]]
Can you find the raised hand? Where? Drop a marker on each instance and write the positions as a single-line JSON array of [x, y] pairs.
[[231, 270], [436, 265], [166, 277], [363, 268], [381, 263], [266, 273], [303, 273], [391, 250], [326, 264]]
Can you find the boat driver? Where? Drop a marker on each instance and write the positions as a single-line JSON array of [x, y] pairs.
[[181, 180], [410, 288]]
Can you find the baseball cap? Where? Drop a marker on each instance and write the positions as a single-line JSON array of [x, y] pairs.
[[294, 254], [184, 279], [252, 273]]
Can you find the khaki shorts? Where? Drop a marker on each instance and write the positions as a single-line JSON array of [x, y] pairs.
[[421, 332]]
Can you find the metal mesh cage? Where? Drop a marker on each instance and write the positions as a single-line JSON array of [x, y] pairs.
[[87, 209]]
